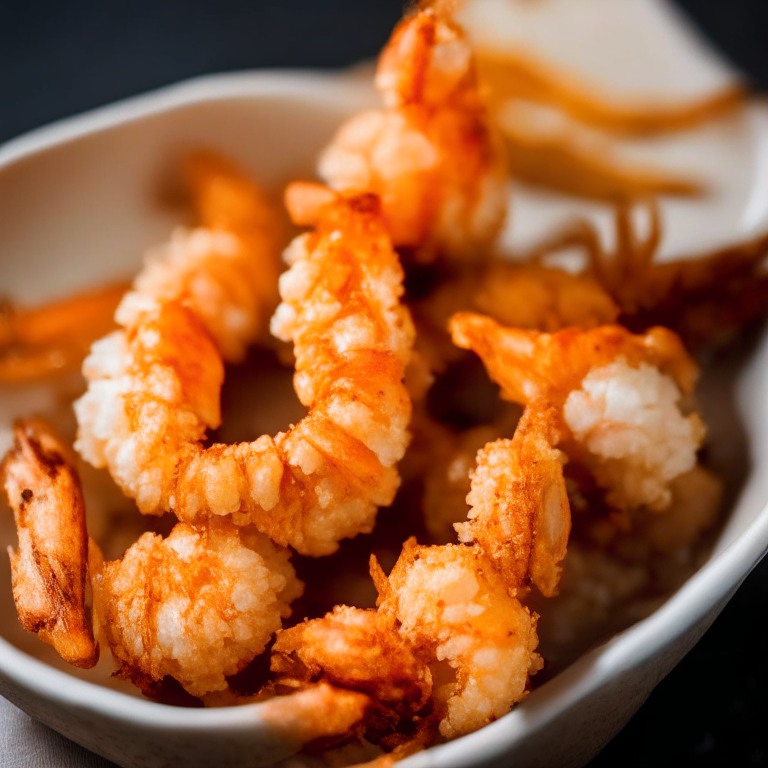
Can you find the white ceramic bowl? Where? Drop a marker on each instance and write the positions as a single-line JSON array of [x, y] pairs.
[[78, 206]]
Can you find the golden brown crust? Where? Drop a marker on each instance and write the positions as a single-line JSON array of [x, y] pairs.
[[452, 604], [520, 512], [433, 155], [50, 569], [356, 650], [197, 606]]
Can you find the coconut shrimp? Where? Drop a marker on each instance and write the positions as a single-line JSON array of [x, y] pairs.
[[450, 602], [198, 605], [432, 155], [357, 650], [154, 385], [49, 572], [520, 513], [620, 398]]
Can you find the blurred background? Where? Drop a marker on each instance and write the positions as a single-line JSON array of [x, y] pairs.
[[60, 58]]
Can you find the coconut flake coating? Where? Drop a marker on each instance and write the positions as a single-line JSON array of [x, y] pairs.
[[450, 602], [197, 606]]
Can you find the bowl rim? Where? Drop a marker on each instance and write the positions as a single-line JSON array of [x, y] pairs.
[[719, 576]]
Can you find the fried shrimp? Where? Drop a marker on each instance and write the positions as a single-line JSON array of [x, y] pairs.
[[450, 602], [154, 386], [433, 155], [356, 650], [50, 569], [619, 398], [197, 606], [520, 513], [526, 296]]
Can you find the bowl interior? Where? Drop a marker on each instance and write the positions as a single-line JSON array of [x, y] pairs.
[[80, 202]]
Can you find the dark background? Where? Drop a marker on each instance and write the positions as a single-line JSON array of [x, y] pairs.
[[58, 58]]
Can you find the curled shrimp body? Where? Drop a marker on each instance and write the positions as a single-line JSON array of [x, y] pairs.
[[432, 155], [450, 603], [154, 385], [618, 395]]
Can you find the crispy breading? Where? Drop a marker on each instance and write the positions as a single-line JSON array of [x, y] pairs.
[[154, 386], [618, 395], [50, 569], [197, 606], [432, 155], [357, 650], [520, 512], [450, 602]]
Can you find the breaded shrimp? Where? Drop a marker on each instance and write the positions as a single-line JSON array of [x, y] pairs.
[[49, 571], [618, 395], [197, 606], [154, 386], [356, 650], [520, 512], [451, 603], [433, 155]]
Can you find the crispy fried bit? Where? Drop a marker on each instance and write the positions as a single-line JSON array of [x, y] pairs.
[[357, 650], [197, 606], [451, 602], [50, 570], [618, 394], [154, 386], [520, 512], [432, 155]]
